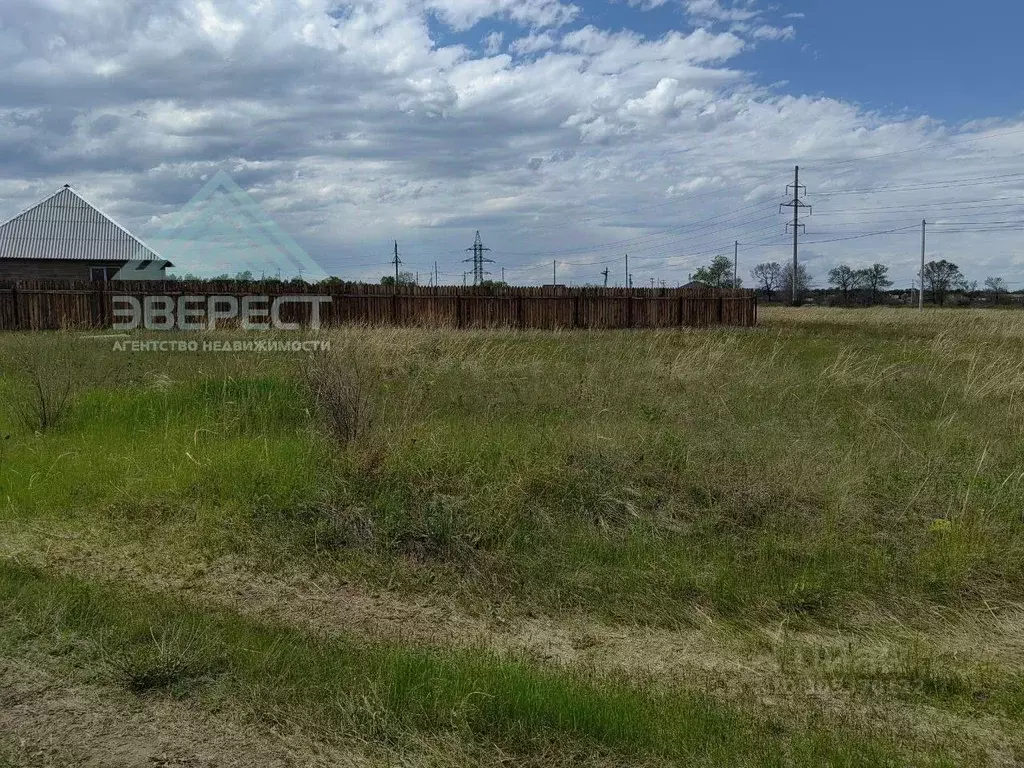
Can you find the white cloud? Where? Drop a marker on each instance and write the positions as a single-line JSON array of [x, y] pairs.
[[463, 14], [358, 126], [492, 43], [533, 43], [768, 32], [715, 10]]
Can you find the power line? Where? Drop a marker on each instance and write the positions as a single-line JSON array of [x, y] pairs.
[[923, 148], [925, 185], [860, 236], [993, 202], [619, 244]]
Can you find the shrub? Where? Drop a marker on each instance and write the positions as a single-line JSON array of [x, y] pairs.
[[341, 386], [47, 375]]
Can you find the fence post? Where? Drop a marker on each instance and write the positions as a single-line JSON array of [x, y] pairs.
[[97, 313], [15, 310]]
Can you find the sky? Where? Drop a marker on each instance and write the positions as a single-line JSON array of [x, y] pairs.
[[568, 133]]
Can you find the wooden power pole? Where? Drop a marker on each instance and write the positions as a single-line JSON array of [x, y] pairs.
[[920, 292]]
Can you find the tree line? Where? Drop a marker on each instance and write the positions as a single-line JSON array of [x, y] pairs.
[[851, 285]]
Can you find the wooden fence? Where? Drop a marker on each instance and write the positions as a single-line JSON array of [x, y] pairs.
[[51, 305]]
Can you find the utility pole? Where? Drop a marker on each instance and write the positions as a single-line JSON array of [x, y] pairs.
[[554, 272], [397, 261], [605, 273], [629, 280], [796, 204], [478, 259], [435, 274], [735, 264], [920, 292], [503, 274]]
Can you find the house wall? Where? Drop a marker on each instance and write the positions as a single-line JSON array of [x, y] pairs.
[[50, 269]]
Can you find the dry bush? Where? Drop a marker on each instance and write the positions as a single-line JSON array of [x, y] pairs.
[[47, 373], [342, 386]]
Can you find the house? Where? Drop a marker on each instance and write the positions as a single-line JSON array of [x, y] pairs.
[[65, 237], [696, 284]]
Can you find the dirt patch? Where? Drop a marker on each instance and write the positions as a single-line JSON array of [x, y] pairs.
[[49, 721]]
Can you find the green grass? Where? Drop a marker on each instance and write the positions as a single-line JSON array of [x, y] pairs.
[[827, 470], [794, 470], [385, 692]]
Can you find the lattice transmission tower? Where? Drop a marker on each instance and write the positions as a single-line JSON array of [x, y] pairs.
[[478, 260]]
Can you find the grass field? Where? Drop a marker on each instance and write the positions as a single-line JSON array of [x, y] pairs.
[[800, 544]]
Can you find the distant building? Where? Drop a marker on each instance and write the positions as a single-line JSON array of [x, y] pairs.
[[65, 237], [696, 284]]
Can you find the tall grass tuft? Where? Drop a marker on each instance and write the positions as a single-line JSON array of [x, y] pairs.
[[342, 384]]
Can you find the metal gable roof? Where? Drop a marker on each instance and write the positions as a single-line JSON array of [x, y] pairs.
[[66, 226]]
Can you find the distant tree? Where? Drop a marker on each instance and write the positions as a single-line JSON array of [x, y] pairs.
[[404, 278], [768, 277], [845, 279], [494, 284], [996, 286], [875, 279], [245, 277], [941, 277], [803, 283], [718, 273]]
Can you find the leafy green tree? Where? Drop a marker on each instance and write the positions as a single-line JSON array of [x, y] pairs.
[[718, 273], [404, 278]]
